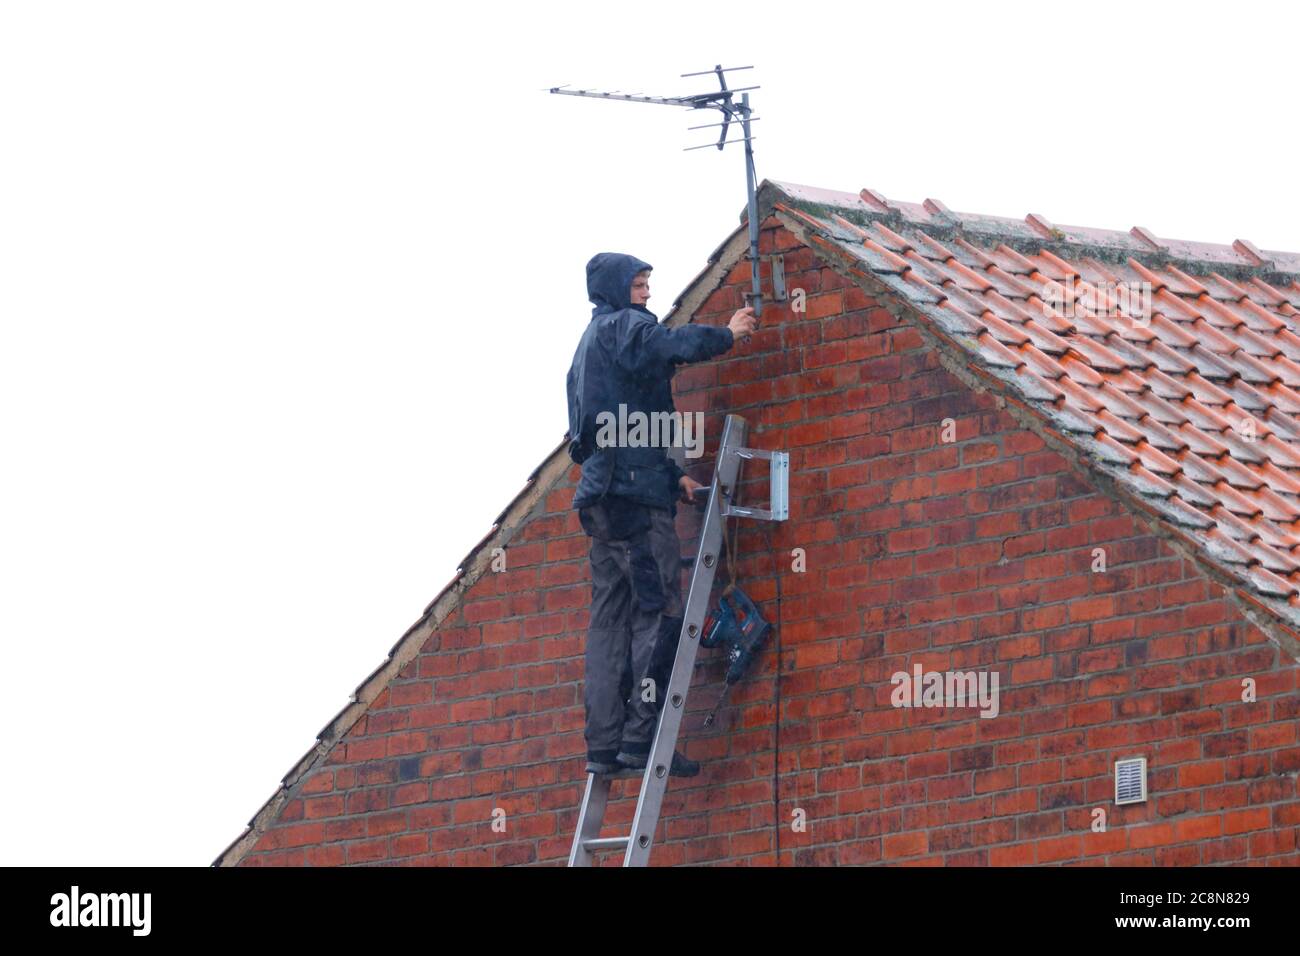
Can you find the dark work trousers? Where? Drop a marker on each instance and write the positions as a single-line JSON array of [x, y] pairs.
[[636, 621]]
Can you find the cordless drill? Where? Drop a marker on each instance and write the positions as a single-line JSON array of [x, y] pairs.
[[737, 625]]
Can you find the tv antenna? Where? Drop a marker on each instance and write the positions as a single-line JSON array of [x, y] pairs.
[[732, 111]]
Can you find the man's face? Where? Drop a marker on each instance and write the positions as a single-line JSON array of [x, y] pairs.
[[641, 288]]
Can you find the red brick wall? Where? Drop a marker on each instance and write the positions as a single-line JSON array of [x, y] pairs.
[[974, 554]]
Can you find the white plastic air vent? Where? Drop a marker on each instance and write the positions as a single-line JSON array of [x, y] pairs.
[[1131, 780]]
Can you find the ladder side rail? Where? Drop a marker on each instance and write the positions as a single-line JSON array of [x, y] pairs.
[[655, 782], [590, 819]]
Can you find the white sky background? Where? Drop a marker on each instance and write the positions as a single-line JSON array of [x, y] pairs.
[[288, 292]]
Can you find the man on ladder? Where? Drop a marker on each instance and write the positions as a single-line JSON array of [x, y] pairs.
[[626, 501]]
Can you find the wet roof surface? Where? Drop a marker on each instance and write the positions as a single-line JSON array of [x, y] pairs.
[[1174, 365]]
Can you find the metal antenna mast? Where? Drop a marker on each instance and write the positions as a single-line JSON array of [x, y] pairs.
[[723, 101]]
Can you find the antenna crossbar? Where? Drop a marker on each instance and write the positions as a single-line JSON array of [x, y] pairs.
[[732, 111]]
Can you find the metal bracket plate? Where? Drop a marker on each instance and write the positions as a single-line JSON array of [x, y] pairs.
[[778, 279], [779, 487]]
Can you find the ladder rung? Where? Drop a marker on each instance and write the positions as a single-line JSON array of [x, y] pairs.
[[605, 843]]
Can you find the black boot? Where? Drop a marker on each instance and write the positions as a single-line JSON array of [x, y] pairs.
[[681, 766]]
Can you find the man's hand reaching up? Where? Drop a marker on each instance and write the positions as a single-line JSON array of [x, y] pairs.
[[743, 323]]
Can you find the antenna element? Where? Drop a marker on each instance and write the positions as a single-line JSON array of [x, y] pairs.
[[732, 111]]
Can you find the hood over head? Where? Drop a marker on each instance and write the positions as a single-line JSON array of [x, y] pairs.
[[609, 281]]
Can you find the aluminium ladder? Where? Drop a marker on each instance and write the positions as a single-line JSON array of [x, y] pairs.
[[726, 476]]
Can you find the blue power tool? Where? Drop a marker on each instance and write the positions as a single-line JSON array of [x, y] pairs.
[[738, 625]]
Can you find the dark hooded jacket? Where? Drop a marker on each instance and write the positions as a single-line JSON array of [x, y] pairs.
[[625, 356]]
